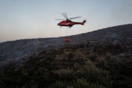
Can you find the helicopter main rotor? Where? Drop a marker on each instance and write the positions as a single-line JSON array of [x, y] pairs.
[[65, 15]]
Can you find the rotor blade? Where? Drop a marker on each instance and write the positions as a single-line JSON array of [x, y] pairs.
[[59, 19], [75, 17], [65, 15]]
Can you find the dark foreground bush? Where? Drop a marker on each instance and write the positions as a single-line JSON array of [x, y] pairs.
[[50, 59], [120, 72], [93, 57], [70, 56], [107, 73], [89, 72], [82, 83], [59, 84]]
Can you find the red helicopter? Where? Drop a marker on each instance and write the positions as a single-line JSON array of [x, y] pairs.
[[68, 22]]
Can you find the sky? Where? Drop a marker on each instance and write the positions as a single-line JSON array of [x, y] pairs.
[[28, 19]]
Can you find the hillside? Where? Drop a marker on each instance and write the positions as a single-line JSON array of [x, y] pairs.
[[74, 66], [20, 50]]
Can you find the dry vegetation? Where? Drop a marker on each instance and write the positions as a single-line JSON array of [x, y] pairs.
[[73, 66]]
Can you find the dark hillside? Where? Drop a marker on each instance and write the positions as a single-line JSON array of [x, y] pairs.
[[74, 66], [107, 34], [20, 50]]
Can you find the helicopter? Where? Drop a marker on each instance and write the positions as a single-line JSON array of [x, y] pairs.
[[68, 22]]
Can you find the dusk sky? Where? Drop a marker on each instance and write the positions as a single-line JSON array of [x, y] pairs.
[[27, 19]]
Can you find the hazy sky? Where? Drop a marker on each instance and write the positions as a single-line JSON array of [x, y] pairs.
[[26, 19]]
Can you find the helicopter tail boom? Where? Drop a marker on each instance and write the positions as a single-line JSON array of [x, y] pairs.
[[83, 22]]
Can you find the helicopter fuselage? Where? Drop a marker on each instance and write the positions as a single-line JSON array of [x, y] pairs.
[[70, 23]]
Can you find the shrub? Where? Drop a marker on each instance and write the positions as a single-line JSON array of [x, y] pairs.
[[30, 73], [43, 70], [39, 73], [61, 52], [100, 51], [56, 68], [82, 83], [73, 48], [67, 73], [53, 75], [70, 56], [32, 62], [65, 64], [64, 59], [50, 59], [58, 84], [37, 64], [25, 77], [47, 64], [18, 72], [51, 68], [10, 73], [76, 66], [1, 73], [117, 46], [80, 60], [87, 53], [102, 64], [81, 45], [25, 66], [108, 57], [36, 68], [93, 58], [71, 65], [43, 52], [126, 68], [41, 64], [94, 74]]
